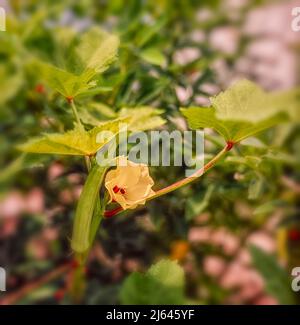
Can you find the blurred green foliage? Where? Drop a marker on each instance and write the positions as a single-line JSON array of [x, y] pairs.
[[240, 195]]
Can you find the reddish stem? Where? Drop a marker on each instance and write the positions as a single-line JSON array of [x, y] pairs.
[[74, 264], [230, 145], [28, 288], [111, 213], [69, 99], [185, 181]]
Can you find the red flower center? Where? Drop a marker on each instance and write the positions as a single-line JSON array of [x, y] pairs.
[[116, 189]]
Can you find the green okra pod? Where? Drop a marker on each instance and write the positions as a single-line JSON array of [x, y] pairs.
[[84, 212]]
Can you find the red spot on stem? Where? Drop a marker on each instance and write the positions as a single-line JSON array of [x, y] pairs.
[[230, 145], [122, 191], [39, 88], [69, 99]]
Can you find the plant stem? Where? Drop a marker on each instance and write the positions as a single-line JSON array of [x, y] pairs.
[[75, 112], [77, 283], [191, 178], [76, 115], [77, 286], [30, 287], [182, 182]]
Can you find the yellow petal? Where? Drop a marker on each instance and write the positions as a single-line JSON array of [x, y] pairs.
[[134, 179]]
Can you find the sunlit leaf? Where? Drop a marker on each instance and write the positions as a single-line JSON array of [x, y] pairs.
[[231, 130], [96, 50], [93, 54], [74, 142], [245, 101], [64, 82], [140, 118], [94, 113], [143, 118]]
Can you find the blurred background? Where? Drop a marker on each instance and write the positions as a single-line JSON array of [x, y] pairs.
[[171, 55]]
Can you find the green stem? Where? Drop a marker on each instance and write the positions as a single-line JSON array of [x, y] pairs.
[[87, 163], [78, 283], [88, 216], [77, 118], [75, 112]]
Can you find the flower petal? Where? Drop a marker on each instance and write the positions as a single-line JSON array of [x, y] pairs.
[[134, 183]]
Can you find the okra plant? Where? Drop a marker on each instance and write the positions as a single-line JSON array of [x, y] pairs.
[[240, 112]]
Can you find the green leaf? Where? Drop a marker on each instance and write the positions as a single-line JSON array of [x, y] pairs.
[[277, 281], [162, 284], [76, 141], [231, 130], [96, 50], [102, 109], [9, 84], [198, 203], [250, 161], [93, 54], [80, 142], [244, 110], [153, 56], [140, 118], [8, 173], [94, 91], [245, 101], [256, 185], [93, 113], [199, 118], [12, 169], [143, 118], [64, 82], [291, 99], [267, 208], [146, 34], [39, 294]]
